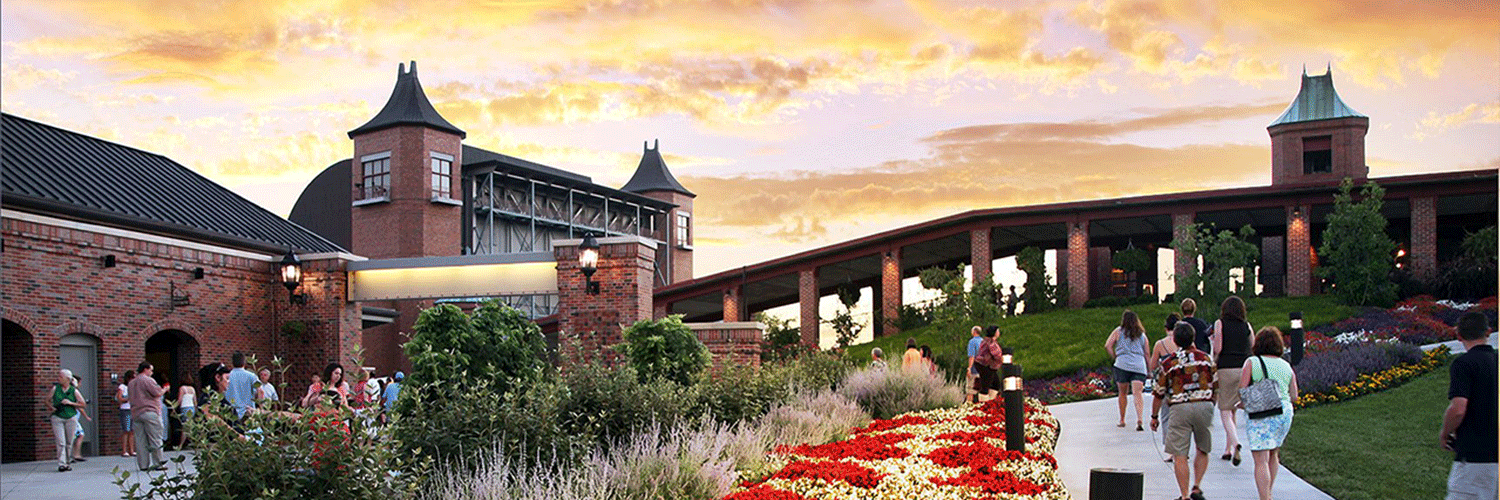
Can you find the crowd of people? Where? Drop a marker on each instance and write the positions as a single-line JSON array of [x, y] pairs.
[[149, 404]]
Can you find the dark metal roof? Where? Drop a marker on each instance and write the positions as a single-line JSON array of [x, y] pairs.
[[324, 205], [67, 174], [476, 156], [477, 161], [408, 105], [1317, 100], [652, 175]]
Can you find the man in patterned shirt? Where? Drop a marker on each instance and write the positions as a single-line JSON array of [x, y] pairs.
[[1186, 383]]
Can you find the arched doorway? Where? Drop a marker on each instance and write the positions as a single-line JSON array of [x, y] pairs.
[[18, 441], [174, 356], [79, 352]]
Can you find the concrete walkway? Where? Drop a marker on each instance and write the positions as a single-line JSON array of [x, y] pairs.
[[93, 479], [1091, 440]]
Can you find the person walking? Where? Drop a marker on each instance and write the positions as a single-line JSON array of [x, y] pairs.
[[973, 350], [912, 359], [1231, 343], [1470, 422], [83, 411], [122, 394], [1189, 307], [1265, 434], [187, 406], [1127, 345], [145, 412], [877, 359], [67, 401], [393, 390], [1160, 351], [1010, 302], [989, 362], [241, 391], [927, 360], [1186, 383]]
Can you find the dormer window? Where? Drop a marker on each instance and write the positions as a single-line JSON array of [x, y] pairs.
[[1317, 155], [442, 176], [375, 184]]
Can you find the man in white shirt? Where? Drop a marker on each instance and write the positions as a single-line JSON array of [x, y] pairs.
[[267, 389]]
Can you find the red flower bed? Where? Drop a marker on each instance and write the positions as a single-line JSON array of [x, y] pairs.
[[856, 475], [994, 482], [764, 493], [864, 447], [981, 454], [885, 425]]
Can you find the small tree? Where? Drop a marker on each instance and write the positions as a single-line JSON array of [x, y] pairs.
[[1356, 253], [843, 323], [665, 349], [1040, 295], [1473, 274], [1221, 251]]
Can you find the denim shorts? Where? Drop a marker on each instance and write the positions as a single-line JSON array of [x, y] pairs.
[[124, 420], [1126, 377]]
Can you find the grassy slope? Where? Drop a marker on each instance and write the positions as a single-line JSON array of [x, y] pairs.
[[1378, 446], [1062, 342]]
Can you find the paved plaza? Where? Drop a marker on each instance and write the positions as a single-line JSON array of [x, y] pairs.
[[89, 480]]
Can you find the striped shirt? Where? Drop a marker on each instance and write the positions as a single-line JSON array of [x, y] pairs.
[[1186, 376]]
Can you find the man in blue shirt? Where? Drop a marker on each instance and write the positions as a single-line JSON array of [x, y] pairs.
[[392, 390], [241, 391], [974, 342]]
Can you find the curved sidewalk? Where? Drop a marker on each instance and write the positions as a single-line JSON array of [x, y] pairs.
[[1090, 439]]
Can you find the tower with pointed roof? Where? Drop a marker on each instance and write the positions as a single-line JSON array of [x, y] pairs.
[[652, 179], [406, 174], [1318, 139]]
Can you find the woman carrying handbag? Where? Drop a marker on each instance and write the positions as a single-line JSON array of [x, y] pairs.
[[1267, 428]]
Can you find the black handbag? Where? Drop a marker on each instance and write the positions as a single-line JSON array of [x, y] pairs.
[[1261, 399]]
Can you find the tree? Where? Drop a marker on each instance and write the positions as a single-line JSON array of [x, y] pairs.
[[1472, 275], [665, 349], [843, 323], [1356, 253], [497, 345], [1040, 295], [1222, 252]]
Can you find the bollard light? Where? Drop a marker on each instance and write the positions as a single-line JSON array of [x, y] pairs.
[[1015, 411], [1005, 355], [1294, 346]]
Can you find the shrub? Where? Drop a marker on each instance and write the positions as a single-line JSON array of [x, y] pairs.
[[782, 339], [665, 349], [612, 404], [887, 393], [1356, 252], [1323, 371], [740, 393], [283, 456], [461, 428], [812, 418]]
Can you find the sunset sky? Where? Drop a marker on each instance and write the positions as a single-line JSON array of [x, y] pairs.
[[798, 123]]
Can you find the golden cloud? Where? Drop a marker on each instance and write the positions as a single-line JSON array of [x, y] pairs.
[[1434, 123]]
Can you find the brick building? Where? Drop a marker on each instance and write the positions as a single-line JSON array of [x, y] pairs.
[[113, 255], [413, 190]]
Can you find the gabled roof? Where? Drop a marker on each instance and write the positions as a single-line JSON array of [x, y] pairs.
[[408, 105], [71, 175], [1317, 100], [652, 174]]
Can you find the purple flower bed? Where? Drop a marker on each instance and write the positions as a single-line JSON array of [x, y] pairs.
[[1322, 371]]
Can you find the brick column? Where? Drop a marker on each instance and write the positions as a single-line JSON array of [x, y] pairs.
[[1298, 252], [334, 324], [890, 289], [1421, 256], [1182, 264], [589, 324], [1078, 263], [734, 304], [807, 298], [980, 254], [659, 311]]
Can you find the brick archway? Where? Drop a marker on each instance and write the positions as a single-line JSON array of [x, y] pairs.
[[170, 324], [13, 315], [73, 327], [23, 412]]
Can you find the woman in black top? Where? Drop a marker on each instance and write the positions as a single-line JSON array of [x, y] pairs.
[[1231, 348]]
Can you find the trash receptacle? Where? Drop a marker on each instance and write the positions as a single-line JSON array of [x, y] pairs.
[[1109, 483]]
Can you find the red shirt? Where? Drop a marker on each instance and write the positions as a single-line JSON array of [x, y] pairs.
[[1187, 376]]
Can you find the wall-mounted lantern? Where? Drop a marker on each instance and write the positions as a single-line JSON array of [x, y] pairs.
[[291, 277], [588, 262]]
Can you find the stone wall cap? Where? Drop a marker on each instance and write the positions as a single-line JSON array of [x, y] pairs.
[[727, 325]]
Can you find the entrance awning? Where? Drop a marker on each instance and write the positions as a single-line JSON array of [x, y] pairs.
[[533, 273]]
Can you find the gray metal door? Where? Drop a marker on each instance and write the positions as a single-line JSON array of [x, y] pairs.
[[80, 353]]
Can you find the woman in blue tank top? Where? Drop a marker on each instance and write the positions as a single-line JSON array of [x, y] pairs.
[[1127, 344]]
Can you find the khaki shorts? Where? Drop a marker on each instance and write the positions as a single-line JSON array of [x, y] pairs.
[[1470, 480], [1228, 393], [1190, 421]]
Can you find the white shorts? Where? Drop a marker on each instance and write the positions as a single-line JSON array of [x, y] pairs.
[[1473, 481]]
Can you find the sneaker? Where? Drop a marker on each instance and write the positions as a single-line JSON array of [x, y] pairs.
[[63, 468]]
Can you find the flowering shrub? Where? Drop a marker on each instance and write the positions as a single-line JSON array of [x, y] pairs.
[[1371, 382], [949, 453], [1081, 386], [1323, 371], [814, 418], [886, 393]]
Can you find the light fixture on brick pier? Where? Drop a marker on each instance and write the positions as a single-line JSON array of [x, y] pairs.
[[588, 262], [291, 277]]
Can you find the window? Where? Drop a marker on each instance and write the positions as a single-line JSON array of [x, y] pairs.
[[442, 176], [684, 231], [1317, 155], [376, 182]]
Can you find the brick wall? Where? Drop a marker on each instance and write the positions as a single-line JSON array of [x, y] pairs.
[[890, 289], [1182, 264], [1422, 255], [1299, 256], [734, 304], [56, 285], [1078, 264], [731, 343], [1348, 141], [807, 301], [980, 255], [427, 228], [589, 324]]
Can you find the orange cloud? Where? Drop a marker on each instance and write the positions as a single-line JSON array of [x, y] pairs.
[[1434, 123]]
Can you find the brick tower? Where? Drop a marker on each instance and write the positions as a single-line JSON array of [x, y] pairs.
[[653, 180], [406, 172], [1318, 139]]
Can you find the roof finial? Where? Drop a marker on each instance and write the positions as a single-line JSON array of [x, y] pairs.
[[645, 145], [413, 68], [1330, 68], [1304, 70], [656, 144], [400, 69]]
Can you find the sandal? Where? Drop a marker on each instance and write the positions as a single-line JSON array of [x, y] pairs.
[[1236, 460], [1121, 424], [1197, 494], [1226, 456], [1138, 427]]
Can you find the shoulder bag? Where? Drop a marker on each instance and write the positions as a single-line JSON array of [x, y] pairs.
[[1261, 399]]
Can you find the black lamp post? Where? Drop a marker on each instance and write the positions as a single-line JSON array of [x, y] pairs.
[[588, 262], [1295, 346], [291, 277]]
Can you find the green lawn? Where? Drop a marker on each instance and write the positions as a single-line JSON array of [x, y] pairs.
[[1378, 446], [1064, 341]]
